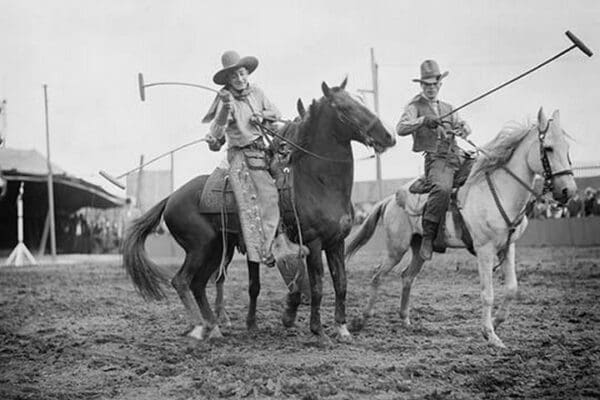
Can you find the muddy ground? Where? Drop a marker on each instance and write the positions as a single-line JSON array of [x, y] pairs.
[[82, 332]]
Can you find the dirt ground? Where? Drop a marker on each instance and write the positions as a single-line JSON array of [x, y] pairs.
[[82, 332]]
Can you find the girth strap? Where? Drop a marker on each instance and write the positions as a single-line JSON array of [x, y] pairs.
[[512, 225]]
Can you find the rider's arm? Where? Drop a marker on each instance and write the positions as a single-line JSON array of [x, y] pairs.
[[269, 110], [409, 122], [458, 122]]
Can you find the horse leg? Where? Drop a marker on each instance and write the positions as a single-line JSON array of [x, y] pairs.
[[337, 269], [292, 301], [181, 282], [198, 286], [315, 277], [408, 276], [253, 291], [485, 260], [510, 286]]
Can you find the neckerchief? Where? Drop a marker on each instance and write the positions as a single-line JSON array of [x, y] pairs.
[[238, 95]]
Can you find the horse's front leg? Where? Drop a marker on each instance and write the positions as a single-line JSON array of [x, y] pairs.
[[253, 291], [510, 286], [337, 268], [315, 277], [485, 260]]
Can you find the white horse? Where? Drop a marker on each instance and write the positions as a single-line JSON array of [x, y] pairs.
[[492, 203]]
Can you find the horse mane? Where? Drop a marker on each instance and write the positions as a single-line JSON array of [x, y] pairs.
[[299, 130], [500, 149]]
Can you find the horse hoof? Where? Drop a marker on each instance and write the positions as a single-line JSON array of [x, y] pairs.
[[251, 326], [197, 333], [496, 322], [357, 324], [343, 335], [288, 319], [324, 341], [215, 333], [496, 342]]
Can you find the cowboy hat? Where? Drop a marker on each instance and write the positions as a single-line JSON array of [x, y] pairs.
[[231, 61], [430, 72]]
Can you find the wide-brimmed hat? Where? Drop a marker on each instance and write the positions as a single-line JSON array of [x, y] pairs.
[[430, 72], [231, 61]]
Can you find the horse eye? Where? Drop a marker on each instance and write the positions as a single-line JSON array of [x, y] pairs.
[[548, 149]]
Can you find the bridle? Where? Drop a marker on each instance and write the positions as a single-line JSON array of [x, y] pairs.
[[363, 132], [548, 186], [344, 119], [547, 169]]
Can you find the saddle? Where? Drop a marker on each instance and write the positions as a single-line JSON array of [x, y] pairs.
[[217, 195], [413, 197]]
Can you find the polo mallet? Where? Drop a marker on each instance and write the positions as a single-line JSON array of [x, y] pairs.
[[115, 179], [576, 44], [142, 86]]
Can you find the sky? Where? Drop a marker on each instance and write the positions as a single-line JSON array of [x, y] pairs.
[[89, 53]]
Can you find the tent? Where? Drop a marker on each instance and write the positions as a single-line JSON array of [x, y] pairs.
[[70, 194]]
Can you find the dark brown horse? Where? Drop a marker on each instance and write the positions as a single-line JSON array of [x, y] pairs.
[[322, 176]]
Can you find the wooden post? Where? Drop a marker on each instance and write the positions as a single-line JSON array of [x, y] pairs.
[[50, 180], [172, 172], [138, 189], [20, 252], [375, 76], [44, 240]]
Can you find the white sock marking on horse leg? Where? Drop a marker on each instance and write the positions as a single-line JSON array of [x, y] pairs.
[[197, 333], [343, 332]]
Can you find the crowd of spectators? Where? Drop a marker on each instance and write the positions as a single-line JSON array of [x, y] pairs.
[[95, 231], [580, 205]]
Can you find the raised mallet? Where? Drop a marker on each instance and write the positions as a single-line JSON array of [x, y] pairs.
[[576, 44], [142, 86], [115, 179]]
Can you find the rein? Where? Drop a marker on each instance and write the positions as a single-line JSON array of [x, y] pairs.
[[364, 134], [548, 186]]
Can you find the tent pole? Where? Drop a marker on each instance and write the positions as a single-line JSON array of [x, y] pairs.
[[50, 181]]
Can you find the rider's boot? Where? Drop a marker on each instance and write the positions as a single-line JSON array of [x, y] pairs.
[[429, 231]]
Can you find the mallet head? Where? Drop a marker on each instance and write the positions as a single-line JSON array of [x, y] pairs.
[[579, 44], [141, 86]]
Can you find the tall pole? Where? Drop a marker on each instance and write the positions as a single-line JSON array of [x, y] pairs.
[[50, 180], [375, 75], [3, 117], [172, 172]]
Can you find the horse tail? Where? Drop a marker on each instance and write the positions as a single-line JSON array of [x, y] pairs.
[[366, 229], [145, 275]]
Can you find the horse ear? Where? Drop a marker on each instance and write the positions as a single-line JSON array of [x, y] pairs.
[[556, 116], [325, 89], [344, 82], [542, 120], [300, 108]]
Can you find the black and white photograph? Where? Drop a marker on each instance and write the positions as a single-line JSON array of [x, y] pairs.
[[299, 200]]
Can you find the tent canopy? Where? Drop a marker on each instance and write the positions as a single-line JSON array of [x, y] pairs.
[[70, 193]]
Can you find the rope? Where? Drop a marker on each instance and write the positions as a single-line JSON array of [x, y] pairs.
[[223, 264]]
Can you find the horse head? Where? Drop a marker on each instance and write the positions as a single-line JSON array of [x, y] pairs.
[[550, 158], [355, 121]]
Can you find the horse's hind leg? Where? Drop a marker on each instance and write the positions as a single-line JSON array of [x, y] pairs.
[[181, 282], [380, 271], [211, 257], [485, 259], [408, 276], [510, 286]]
